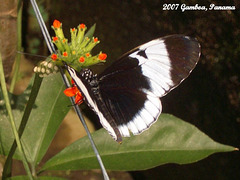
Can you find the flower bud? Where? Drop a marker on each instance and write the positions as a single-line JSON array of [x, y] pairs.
[[57, 27]]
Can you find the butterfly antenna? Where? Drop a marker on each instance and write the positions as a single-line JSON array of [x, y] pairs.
[[66, 82], [30, 54]]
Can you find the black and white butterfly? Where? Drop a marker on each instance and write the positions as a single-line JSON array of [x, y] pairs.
[[126, 96]]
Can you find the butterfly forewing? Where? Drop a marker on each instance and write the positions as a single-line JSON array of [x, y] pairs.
[[132, 85]]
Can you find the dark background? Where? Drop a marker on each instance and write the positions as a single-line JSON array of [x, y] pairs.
[[209, 98]]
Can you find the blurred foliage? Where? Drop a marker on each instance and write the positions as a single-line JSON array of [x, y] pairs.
[[32, 35]]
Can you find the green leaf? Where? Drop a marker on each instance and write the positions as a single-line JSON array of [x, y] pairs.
[[50, 108], [38, 178], [169, 140], [90, 31]]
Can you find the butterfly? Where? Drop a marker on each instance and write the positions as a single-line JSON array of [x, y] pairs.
[[126, 95]]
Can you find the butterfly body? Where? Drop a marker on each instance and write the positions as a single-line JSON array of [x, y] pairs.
[[88, 83], [126, 96]]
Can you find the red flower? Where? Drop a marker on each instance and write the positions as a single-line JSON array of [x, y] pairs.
[[102, 56], [54, 57], [56, 24], [73, 91]]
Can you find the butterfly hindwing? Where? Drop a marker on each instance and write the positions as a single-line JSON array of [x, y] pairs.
[[131, 107]]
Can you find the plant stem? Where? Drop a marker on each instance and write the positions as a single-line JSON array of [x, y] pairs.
[[19, 47], [34, 92], [14, 129]]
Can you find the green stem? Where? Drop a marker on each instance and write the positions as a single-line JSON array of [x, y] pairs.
[[9, 110], [34, 92], [19, 47]]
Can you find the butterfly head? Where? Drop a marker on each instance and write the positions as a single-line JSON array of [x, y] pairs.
[[71, 71]]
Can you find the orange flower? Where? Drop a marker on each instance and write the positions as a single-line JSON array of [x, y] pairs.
[[56, 24], [81, 59], [102, 56], [73, 91], [82, 26], [87, 54], [78, 98], [95, 40], [65, 54], [54, 57], [55, 38]]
